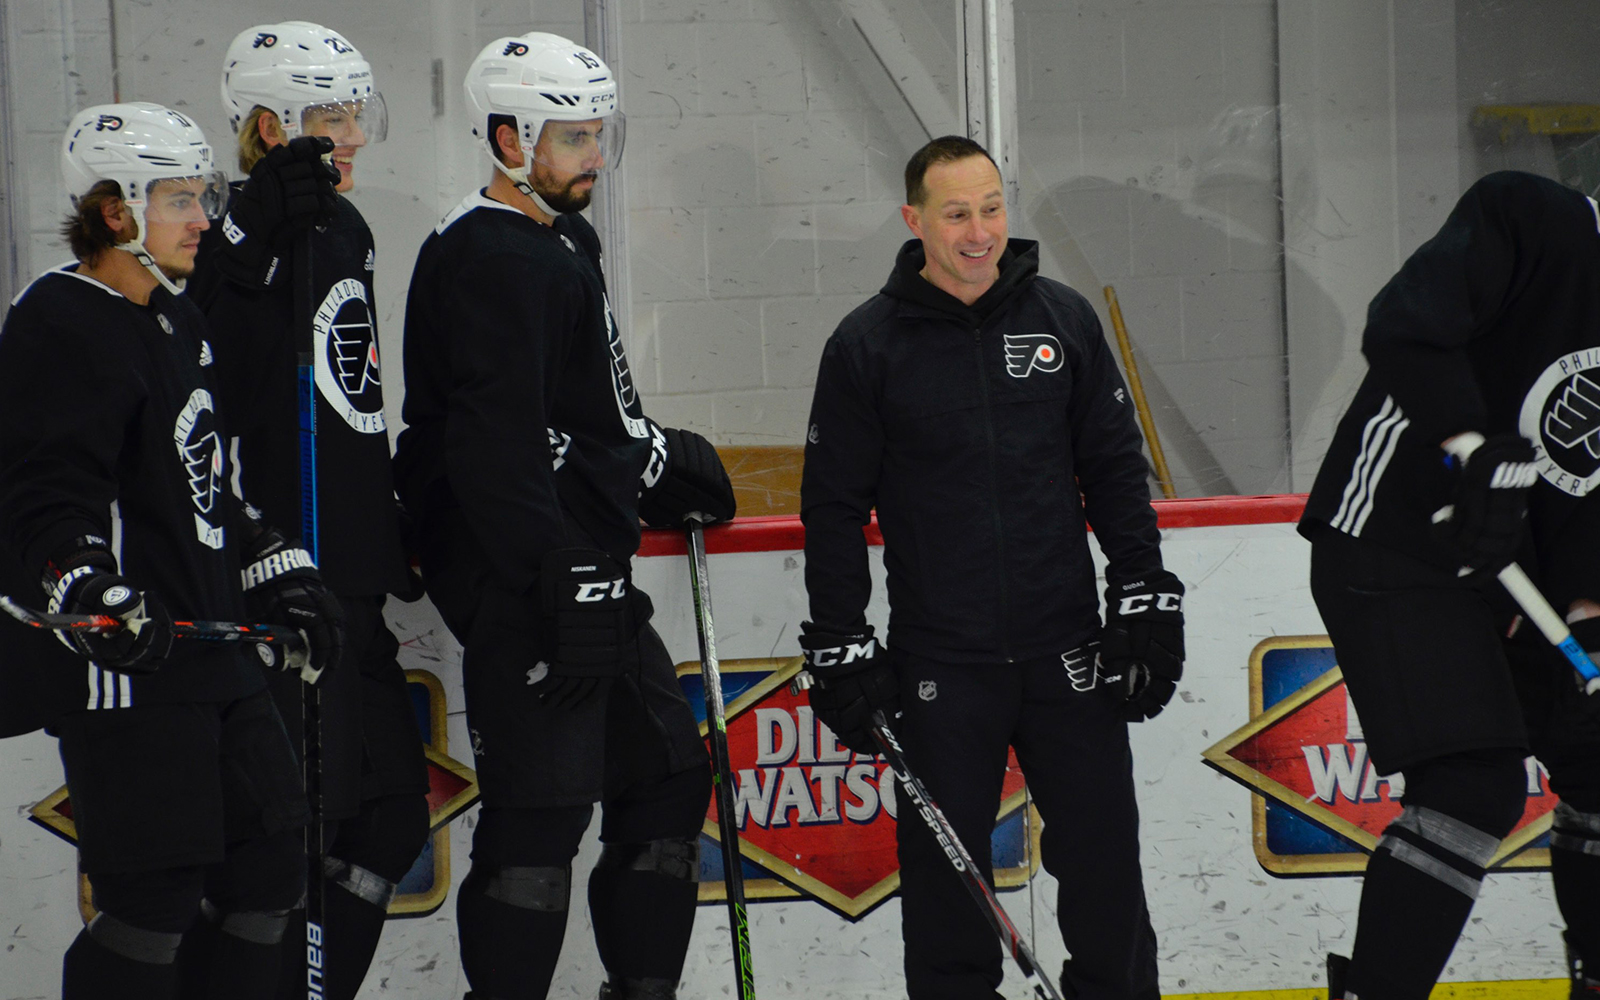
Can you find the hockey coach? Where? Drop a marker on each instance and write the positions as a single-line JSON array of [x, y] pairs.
[[974, 404]]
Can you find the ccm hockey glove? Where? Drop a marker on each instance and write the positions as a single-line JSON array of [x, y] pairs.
[[1484, 522], [290, 190], [1141, 646], [589, 619], [282, 585], [685, 476], [89, 585], [853, 680]]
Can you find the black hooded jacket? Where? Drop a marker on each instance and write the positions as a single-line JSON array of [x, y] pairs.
[[983, 435]]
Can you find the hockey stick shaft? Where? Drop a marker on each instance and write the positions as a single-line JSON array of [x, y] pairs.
[[961, 861], [280, 635], [310, 694], [1527, 595], [722, 771]]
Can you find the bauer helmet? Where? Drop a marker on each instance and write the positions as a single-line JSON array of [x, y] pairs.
[[138, 145], [538, 78], [297, 69]]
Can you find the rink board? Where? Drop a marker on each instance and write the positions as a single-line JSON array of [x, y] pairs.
[[1234, 920]]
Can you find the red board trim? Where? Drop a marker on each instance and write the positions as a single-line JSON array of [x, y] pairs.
[[777, 534]]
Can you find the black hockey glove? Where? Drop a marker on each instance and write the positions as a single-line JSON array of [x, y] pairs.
[[1485, 521], [589, 617], [282, 586], [89, 585], [685, 476], [853, 680], [290, 190], [1141, 646], [1587, 632]]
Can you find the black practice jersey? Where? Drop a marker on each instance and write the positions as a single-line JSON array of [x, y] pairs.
[[520, 407], [1493, 326], [358, 536], [983, 435], [109, 428]]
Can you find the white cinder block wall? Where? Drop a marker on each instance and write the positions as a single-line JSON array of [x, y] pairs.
[[1246, 173]]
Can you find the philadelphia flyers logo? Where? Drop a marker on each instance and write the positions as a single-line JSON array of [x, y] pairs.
[[107, 123], [1032, 352], [515, 49], [265, 40]]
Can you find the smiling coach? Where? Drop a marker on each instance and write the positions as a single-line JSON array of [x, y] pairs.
[[975, 405]]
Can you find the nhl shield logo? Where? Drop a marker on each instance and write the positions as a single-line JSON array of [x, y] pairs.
[[1032, 352], [927, 690]]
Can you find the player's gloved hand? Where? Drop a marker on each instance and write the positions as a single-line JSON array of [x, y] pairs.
[[685, 476], [853, 679], [90, 585], [1484, 522], [589, 616], [1141, 646], [290, 189], [282, 587], [1587, 632]]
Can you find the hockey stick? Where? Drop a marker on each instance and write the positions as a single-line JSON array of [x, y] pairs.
[[962, 861], [722, 771], [280, 635], [1527, 596], [310, 694]]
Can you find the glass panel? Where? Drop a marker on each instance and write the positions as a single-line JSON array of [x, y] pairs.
[[766, 150]]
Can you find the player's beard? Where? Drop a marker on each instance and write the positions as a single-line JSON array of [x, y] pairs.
[[566, 200]]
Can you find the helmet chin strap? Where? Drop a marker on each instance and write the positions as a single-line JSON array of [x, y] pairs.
[[519, 177], [149, 262]]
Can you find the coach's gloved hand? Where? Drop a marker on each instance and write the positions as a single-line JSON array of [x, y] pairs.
[[1141, 646], [282, 586], [589, 618], [89, 585], [1484, 522], [290, 189], [853, 679], [685, 476]]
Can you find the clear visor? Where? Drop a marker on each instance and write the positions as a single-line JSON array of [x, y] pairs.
[[356, 122], [581, 147], [186, 199]]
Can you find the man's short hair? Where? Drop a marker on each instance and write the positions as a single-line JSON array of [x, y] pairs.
[[945, 149], [85, 230]]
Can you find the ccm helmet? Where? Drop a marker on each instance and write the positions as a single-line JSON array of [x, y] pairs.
[[138, 145], [297, 69], [538, 78]]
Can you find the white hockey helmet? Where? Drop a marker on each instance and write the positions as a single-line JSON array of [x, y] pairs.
[[538, 78], [137, 145], [298, 69]]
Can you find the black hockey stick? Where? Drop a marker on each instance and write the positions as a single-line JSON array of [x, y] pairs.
[[722, 771], [961, 861], [310, 693], [289, 639]]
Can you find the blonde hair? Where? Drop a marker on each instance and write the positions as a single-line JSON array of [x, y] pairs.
[[251, 146]]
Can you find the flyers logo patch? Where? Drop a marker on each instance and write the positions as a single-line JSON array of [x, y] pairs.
[[1561, 416], [1032, 352]]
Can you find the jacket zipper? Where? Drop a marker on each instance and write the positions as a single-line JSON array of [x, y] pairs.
[[994, 493]]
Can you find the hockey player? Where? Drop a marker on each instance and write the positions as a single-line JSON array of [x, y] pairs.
[[1491, 328], [291, 91], [113, 489], [970, 401], [524, 458]]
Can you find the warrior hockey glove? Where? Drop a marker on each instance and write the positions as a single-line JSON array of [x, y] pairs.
[[1141, 647], [1484, 523], [853, 678], [290, 189], [685, 476], [589, 617], [282, 586], [89, 585]]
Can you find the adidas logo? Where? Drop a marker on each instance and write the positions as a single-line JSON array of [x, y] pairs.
[[370, 260], [205, 353]]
